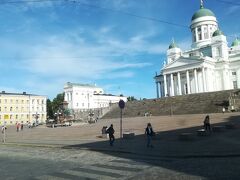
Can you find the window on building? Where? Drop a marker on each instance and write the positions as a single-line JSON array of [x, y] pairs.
[[0, 108], [234, 84], [199, 33], [42, 101], [82, 104], [11, 100], [16, 116], [16, 108], [0, 100], [76, 93], [5, 100], [205, 33], [234, 73], [10, 116], [17, 101], [22, 101], [27, 116], [10, 108], [32, 101], [5, 108], [38, 101], [77, 104]]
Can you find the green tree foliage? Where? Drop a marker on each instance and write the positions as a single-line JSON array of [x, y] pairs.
[[50, 113], [57, 102], [131, 98]]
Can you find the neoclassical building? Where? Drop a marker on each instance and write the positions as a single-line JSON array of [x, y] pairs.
[[210, 65], [86, 96]]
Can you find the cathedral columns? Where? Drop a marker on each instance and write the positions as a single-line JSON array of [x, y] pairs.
[[196, 80], [172, 85], [157, 88], [165, 85], [179, 84], [204, 79], [188, 82]]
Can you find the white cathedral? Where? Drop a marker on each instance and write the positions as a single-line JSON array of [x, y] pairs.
[[209, 66]]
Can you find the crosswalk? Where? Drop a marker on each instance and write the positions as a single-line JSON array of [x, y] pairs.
[[115, 169]]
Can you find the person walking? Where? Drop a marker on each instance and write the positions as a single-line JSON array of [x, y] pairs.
[[18, 126], [206, 123], [110, 132], [150, 133]]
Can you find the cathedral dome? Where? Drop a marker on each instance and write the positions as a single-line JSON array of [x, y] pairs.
[[217, 33], [202, 12], [236, 42], [172, 45]]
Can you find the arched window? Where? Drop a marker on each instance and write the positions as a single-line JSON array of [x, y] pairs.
[[199, 33]]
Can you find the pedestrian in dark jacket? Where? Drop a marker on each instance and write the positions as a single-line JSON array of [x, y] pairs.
[[110, 132], [206, 123], [150, 133]]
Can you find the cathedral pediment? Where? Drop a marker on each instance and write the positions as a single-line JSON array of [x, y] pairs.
[[182, 61]]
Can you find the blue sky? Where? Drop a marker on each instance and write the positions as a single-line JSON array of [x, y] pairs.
[[45, 44]]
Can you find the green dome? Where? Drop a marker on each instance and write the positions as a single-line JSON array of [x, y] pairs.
[[172, 45], [217, 33], [202, 12], [236, 42]]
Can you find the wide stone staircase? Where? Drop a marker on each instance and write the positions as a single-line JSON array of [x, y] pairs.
[[211, 102]]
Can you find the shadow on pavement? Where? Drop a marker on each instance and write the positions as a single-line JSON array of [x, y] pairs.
[[191, 156]]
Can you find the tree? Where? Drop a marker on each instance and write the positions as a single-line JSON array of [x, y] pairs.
[[49, 109], [131, 98], [57, 102]]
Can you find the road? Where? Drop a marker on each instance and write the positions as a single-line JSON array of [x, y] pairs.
[[21, 162]]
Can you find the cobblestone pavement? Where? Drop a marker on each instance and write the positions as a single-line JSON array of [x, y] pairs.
[[79, 153], [54, 163]]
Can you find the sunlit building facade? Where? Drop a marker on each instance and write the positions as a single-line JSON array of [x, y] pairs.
[[210, 65], [22, 108]]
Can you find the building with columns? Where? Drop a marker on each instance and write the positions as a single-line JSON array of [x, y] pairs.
[[210, 65], [86, 97]]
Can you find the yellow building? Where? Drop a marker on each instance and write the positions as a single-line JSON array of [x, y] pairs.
[[22, 108]]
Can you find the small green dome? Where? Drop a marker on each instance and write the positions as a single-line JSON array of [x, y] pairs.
[[236, 42], [217, 33], [202, 12], [173, 45]]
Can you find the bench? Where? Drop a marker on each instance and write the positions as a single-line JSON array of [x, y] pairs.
[[128, 135], [186, 136]]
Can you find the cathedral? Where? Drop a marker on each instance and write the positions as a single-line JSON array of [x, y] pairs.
[[210, 65]]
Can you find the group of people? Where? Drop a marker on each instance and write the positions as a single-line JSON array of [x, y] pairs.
[[19, 126], [148, 131]]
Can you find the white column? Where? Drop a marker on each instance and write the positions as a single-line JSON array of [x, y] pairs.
[[204, 80], [165, 85], [172, 85], [188, 82], [202, 32], [196, 80], [196, 34], [157, 88], [179, 84]]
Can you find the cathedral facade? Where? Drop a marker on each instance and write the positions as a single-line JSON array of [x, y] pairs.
[[210, 65]]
